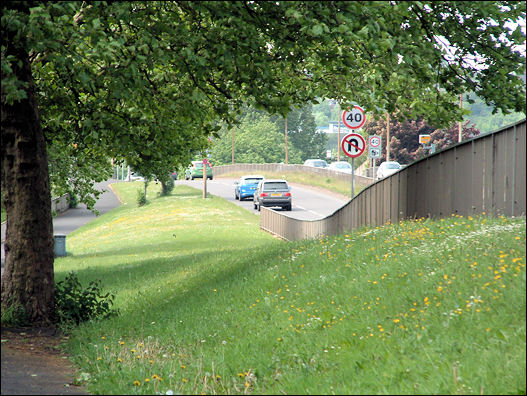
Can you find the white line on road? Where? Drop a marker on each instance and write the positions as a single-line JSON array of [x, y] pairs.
[[311, 211]]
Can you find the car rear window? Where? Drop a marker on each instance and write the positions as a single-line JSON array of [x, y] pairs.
[[252, 181], [275, 186]]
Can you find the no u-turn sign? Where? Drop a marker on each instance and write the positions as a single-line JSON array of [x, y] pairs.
[[353, 145]]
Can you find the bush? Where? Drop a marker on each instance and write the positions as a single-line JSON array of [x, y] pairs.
[[74, 304], [73, 201], [15, 315], [167, 185], [141, 198]]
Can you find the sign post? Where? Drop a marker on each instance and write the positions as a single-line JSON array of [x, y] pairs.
[[375, 150], [205, 163], [353, 145]]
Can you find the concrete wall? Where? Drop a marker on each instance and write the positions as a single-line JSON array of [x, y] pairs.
[[60, 204]]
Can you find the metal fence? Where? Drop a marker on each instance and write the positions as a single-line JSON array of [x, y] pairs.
[[486, 174]]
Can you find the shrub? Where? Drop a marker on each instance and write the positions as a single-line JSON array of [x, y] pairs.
[[75, 304], [167, 185], [73, 201], [15, 315], [141, 197]]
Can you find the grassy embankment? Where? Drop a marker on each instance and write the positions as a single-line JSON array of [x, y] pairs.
[[209, 303], [327, 183]]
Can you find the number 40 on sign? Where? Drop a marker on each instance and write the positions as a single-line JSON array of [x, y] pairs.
[[354, 118]]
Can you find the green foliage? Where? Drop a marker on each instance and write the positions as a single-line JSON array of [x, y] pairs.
[[73, 201], [141, 197], [167, 185], [73, 304], [14, 315], [98, 67], [256, 140]]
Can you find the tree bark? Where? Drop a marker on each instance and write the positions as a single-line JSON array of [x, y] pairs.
[[28, 280]]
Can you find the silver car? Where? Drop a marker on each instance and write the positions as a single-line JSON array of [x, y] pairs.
[[273, 193]]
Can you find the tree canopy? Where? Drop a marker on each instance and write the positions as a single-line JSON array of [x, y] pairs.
[[149, 82]]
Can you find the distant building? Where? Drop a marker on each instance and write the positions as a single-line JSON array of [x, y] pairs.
[[333, 127]]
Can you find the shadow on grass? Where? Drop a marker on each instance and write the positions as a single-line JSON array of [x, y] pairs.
[[168, 258], [203, 272]]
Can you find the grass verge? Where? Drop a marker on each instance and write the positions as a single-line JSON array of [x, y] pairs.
[[210, 304], [327, 183]]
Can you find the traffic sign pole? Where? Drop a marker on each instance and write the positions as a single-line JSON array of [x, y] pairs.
[[352, 177], [353, 145]]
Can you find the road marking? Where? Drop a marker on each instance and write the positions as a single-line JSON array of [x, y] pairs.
[[309, 210]]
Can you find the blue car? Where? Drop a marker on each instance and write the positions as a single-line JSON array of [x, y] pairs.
[[245, 186]]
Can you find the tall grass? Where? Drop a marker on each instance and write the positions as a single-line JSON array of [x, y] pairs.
[[211, 304]]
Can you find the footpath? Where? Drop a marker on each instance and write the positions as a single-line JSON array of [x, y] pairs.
[[32, 363]]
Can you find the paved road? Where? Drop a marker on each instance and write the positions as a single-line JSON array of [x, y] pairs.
[[308, 204], [68, 221]]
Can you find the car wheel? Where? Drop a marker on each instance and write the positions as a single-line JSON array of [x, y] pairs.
[[235, 196], [210, 178], [288, 208]]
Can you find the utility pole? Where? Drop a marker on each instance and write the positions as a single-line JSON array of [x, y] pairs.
[[338, 134], [286, 140], [460, 135], [387, 137]]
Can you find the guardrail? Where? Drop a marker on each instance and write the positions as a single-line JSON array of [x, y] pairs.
[[486, 174], [283, 168]]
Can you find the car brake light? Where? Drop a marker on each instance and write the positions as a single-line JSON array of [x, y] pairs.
[[287, 194], [264, 195]]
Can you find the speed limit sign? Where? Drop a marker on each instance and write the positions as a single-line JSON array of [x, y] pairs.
[[354, 118], [375, 141]]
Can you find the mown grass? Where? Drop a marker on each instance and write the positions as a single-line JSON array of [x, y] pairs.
[[211, 304], [328, 183]]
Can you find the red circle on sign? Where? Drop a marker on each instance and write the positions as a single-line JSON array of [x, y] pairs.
[[375, 139], [357, 123], [354, 149]]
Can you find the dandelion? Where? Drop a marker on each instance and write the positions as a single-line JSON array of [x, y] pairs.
[[247, 384], [157, 377], [396, 321], [184, 380], [137, 383], [119, 360], [99, 358], [182, 366], [103, 338], [132, 350], [147, 379], [121, 342]]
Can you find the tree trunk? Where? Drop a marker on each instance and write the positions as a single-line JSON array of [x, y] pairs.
[[28, 279]]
